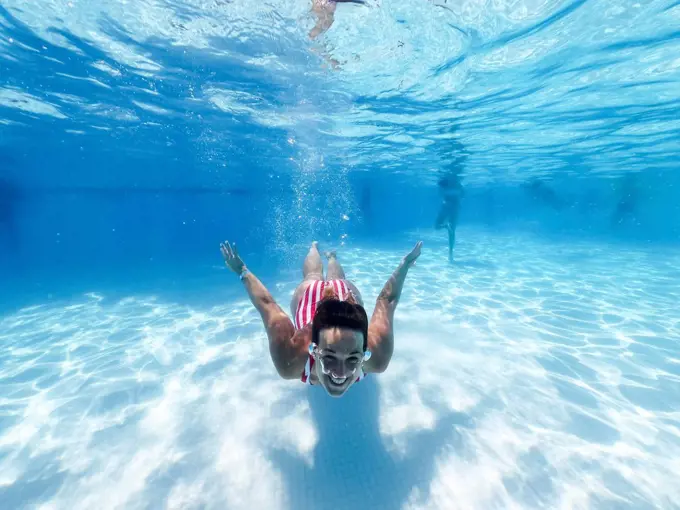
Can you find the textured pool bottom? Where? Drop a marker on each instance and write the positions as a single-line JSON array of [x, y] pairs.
[[528, 375]]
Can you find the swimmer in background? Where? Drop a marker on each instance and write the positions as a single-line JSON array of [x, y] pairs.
[[540, 191], [626, 207], [325, 14], [331, 342], [452, 193], [9, 197]]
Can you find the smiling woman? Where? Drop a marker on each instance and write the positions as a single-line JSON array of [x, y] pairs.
[[332, 343]]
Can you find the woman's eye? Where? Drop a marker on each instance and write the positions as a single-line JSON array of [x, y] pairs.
[[328, 360], [353, 361]]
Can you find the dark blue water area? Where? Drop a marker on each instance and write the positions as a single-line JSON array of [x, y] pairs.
[[139, 240]]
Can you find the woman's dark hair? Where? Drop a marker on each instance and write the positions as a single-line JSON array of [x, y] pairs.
[[333, 313]]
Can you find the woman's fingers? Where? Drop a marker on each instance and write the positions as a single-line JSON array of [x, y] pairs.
[[226, 250]]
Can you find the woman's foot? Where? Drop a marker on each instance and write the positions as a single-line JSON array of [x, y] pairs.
[[330, 255]]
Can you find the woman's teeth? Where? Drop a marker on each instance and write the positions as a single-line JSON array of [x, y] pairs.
[[338, 380]]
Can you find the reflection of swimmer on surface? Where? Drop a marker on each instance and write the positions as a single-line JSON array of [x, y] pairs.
[[626, 206], [539, 190], [325, 14], [331, 343], [452, 193]]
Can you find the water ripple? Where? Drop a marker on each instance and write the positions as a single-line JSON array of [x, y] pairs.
[[571, 81]]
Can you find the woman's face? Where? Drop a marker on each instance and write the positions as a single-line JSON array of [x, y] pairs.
[[339, 355]]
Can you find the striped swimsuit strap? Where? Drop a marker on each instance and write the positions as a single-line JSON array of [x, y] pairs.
[[312, 296]]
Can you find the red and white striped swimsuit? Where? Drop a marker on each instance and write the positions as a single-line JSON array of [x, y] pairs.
[[310, 299], [305, 314]]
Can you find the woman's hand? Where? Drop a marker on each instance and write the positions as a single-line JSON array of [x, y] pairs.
[[411, 258], [232, 258]]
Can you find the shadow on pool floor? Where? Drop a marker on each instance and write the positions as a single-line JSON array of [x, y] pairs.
[[351, 465]]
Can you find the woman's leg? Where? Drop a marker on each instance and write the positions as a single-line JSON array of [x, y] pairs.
[[325, 12], [335, 270], [452, 242], [442, 217], [312, 270], [453, 223]]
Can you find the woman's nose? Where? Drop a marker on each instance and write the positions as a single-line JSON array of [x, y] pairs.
[[343, 370]]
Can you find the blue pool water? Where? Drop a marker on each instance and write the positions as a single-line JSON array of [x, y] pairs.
[[541, 369]]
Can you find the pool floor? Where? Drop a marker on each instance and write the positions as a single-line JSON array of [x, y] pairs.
[[530, 374]]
